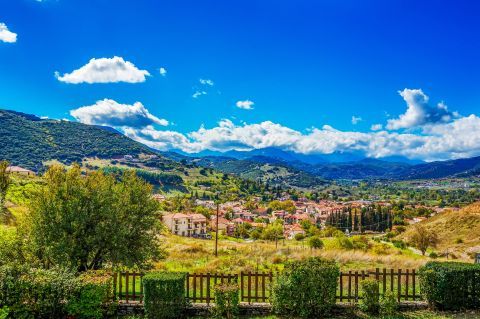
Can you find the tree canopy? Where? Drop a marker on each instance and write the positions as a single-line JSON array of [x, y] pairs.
[[89, 222]]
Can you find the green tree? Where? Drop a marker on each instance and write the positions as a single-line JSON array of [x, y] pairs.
[[315, 242], [86, 222], [4, 184], [422, 239]]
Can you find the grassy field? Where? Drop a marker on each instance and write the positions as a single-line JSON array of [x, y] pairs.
[[458, 231], [234, 255]]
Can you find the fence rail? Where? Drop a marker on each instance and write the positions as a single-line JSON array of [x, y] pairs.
[[256, 287]]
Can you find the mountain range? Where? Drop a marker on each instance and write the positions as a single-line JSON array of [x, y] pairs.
[[29, 141]]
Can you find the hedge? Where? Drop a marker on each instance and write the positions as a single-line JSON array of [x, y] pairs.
[[55, 293], [451, 285], [164, 295], [92, 297], [306, 288], [35, 293]]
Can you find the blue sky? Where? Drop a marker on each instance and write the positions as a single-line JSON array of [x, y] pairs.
[[308, 76]]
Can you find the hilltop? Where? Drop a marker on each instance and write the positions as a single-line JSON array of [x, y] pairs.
[[457, 231], [29, 141]]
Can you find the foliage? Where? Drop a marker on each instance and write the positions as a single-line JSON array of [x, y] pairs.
[[287, 205], [35, 293], [92, 297], [4, 311], [226, 300], [164, 294], [11, 246], [370, 302], [4, 184], [273, 231], [28, 141], [388, 304], [451, 285], [423, 238], [306, 288], [315, 242], [154, 178], [83, 222], [299, 236]]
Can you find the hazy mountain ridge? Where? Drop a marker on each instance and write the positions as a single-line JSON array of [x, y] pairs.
[[28, 141]]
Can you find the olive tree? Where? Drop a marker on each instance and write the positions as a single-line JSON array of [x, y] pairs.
[[422, 238], [88, 222]]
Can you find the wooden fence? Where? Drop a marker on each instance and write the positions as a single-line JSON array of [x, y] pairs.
[[256, 287]]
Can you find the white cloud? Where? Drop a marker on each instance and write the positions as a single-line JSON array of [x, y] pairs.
[[110, 113], [7, 35], [246, 105], [105, 70], [197, 94], [457, 139], [356, 119], [163, 71], [207, 82], [419, 112]]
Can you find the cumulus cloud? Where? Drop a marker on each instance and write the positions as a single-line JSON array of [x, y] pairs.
[[439, 140], [105, 70], [162, 71], [356, 120], [246, 105], [419, 112], [456, 139], [7, 35], [110, 113]]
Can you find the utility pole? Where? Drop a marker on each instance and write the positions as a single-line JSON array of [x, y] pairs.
[[216, 231]]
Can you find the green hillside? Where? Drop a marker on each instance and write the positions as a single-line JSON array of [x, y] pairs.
[[28, 141]]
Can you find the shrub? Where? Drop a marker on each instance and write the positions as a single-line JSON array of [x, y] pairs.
[[35, 293], [299, 237], [344, 242], [306, 288], [370, 302], [433, 255], [164, 294], [226, 300], [360, 242], [400, 244], [451, 285], [93, 295], [388, 304], [315, 242]]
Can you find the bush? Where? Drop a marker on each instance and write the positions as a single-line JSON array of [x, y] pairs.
[[400, 244], [226, 300], [164, 294], [451, 285], [93, 295], [306, 288], [35, 293], [299, 236], [315, 242], [388, 304], [370, 302]]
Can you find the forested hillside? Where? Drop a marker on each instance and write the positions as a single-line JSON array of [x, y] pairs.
[[28, 141]]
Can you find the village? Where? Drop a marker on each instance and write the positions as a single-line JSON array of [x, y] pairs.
[[236, 216]]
